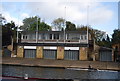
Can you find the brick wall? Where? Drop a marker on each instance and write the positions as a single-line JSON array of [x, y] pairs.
[[83, 53], [60, 52], [20, 51], [39, 53]]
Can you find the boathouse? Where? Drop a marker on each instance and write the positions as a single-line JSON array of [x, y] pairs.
[[61, 45]]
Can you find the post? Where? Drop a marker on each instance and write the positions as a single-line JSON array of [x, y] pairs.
[[79, 38], [87, 23], [37, 32], [18, 25], [17, 34], [65, 25]]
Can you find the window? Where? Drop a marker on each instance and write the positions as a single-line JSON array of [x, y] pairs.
[[85, 37], [75, 38], [43, 36], [39, 36], [67, 36], [33, 36], [25, 37], [81, 37], [56, 36], [50, 36]]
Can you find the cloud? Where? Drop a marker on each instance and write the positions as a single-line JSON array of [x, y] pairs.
[[74, 12], [60, 0], [100, 15], [9, 18], [24, 15]]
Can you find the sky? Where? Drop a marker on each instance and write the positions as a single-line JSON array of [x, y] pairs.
[[101, 15]]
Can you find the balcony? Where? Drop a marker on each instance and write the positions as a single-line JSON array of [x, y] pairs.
[[54, 41]]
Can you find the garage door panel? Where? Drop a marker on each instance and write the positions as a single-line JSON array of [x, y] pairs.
[[71, 55], [29, 53], [49, 54], [105, 56]]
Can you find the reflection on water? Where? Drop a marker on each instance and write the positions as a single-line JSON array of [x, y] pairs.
[[57, 73]]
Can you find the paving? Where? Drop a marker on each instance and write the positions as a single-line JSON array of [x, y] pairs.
[[60, 63]]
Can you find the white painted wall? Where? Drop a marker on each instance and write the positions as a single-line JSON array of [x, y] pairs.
[[49, 47], [29, 47], [71, 48]]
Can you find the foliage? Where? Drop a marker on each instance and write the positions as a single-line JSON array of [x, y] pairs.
[[108, 42], [32, 23], [44, 26], [70, 26], [116, 36], [58, 24], [96, 34], [100, 37], [2, 20], [105, 42], [9, 31]]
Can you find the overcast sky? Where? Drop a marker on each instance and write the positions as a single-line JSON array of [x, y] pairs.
[[101, 15]]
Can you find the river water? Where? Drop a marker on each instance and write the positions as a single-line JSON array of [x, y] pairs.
[[58, 73]]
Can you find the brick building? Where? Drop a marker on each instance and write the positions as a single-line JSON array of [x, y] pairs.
[[64, 45], [116, 48]]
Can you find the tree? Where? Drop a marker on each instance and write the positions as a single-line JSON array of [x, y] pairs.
[[58, 24], [82, 28], [105, 42], [102, 43], [2, 20], [97, 35], [9, 31], [70, 26], [32, 23], [108, 38], [108, 42], [116, 36], [44, 26], [29, 23]]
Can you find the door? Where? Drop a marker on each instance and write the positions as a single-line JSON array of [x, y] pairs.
[[71, 55], [49, 54], [30, 53], [105, 55]]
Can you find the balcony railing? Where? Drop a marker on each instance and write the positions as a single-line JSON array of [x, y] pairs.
[[54, 41]]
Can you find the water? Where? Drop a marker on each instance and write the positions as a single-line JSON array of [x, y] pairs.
[[58, 73]]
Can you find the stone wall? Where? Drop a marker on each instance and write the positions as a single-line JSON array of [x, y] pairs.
[[60, 52], [20, 51], [39, 53], [83, 53]]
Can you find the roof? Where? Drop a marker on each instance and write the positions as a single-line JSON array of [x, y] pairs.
[[105, 49]]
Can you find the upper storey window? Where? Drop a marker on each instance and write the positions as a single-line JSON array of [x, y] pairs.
[[50, 36], [43, 36], [85, 37], [81, 37], [73, 36], [56, 36], [25, 37]]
